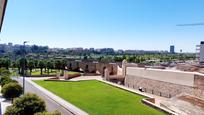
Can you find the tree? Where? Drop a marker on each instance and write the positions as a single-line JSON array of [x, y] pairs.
[[5, 80], [63, 64], [36, 63], [49, 65], [14, 64], [41, 66], [22, 62], [5, 77], [5, 62], [18, 66], [4, 72], [11, 90], [31, 65], [29, 104], [58, 64], [85, 57]]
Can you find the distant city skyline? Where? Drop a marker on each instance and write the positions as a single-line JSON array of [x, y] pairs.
[[90, 48], [119, 24]]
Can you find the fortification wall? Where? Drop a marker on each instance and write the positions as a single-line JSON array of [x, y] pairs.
[[175, 77], [161, 88], [165, 83], [75, 65], [90, 67]]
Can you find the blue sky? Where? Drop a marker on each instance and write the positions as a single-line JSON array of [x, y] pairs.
[[120, 24]]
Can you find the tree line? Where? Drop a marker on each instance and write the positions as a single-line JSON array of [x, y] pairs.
[[49, 64], [30, 64], [147, 57]]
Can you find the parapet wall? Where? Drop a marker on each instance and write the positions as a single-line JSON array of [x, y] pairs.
[[175, 77], [165, 82], [161, 88]]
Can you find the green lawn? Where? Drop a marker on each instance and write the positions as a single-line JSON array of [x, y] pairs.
[[98, 98], [53, 72]]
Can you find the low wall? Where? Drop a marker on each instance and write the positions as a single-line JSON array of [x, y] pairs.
[[165, 83], [175, 77], [160, 88]]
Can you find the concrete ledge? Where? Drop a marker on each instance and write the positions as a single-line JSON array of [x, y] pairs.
[[145, 101], [65, 104]]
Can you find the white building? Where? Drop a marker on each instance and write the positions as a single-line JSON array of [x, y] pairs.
[[200, 52]]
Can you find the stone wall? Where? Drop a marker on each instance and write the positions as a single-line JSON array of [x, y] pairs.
[[199, 82], [161, 88], [91, 67], [175, 77], [166, 83]]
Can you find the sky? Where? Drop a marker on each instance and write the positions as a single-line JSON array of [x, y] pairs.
[[118, 24]]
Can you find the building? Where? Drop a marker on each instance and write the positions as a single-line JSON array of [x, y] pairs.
[[172, 49], [200, 52]]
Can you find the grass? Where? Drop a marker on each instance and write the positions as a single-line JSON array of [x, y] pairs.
[[98, 98], [37, 72], [71, 72], [53, 72]]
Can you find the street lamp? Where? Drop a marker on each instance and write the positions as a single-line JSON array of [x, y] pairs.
[[24, 61]]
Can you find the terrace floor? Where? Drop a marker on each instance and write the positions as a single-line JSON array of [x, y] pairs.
[[185, 105]]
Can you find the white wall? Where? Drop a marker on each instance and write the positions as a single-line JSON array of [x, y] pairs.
[[176, 77]]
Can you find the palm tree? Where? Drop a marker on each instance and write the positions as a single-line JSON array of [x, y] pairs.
[[41, 65], [49, 66], [5, 62], [31, 65], [63, 65], [36, 63], [21, 64], [58, 64], [18, 66]]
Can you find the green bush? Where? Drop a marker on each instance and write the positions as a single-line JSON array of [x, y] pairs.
[[5, 80], [10, 110], [29, 104], [4, 76], [48, 113], [4, 72], [11, 90]]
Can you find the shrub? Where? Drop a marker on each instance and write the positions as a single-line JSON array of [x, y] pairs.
[[4, 76], [10, 110], [11, 90], [48, 113], [29, 104], [4, 72], [5, 80]]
